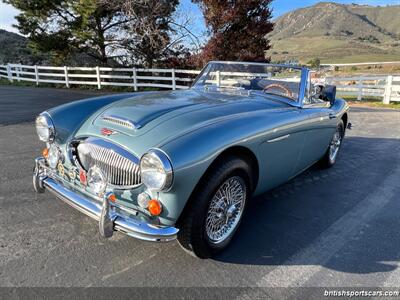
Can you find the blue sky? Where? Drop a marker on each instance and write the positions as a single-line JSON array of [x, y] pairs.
[[7, 12], [280, 7]]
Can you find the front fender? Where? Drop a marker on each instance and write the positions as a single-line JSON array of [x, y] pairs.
[[193, 153]]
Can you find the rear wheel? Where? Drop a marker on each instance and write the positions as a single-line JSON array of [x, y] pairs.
[[330, 157], [216, 209]]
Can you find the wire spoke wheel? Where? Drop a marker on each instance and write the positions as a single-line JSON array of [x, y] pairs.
[[335, 145], [225, 210]]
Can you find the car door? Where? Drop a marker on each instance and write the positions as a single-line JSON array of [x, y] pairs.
[[280, 150], [320, 127]]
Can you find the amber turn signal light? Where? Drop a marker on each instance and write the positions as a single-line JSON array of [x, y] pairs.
[[112, 197], [155, 207], [45, 153]]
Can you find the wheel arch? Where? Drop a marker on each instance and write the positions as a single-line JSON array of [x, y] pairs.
[[345, 119], [241, 152]]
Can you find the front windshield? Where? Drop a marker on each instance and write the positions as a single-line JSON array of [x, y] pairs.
[[252, 77]]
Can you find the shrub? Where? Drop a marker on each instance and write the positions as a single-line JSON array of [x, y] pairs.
[[314, 63]]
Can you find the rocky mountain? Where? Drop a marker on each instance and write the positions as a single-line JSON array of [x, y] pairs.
[[338, 33]]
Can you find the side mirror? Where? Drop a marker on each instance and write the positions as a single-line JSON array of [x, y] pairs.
[[328, 93]]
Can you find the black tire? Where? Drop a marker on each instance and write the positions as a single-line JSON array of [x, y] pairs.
[[327, 161], [192, 235]]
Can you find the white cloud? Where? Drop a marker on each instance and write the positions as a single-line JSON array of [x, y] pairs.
[[7, 17]]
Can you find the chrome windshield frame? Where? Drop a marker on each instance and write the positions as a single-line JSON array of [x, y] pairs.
[[303, 87]]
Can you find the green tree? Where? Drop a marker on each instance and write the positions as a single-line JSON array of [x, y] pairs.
[[68, 27], [103, 30]]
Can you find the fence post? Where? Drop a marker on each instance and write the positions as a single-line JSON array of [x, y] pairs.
[[66, 76], [173, 80], [388, 90], [36, 75], [9, 73], [134, 79], [360, 89], [17, 70], [98, 78]]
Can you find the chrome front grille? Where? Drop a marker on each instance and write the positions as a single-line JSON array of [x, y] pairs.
[[120, 166]]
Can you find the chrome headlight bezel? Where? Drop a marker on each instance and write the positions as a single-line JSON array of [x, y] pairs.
[[45, 128], [156, 163]]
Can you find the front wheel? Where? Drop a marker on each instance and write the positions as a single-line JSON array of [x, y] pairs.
[[216, 209], [330, 157]]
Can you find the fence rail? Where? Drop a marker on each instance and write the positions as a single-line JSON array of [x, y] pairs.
[[100, 76], [385, 87]]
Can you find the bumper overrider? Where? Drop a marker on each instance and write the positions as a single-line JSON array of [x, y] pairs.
[[109, 219]]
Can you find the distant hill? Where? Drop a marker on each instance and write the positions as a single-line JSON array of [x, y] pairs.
[[338, 33], [14, 49]]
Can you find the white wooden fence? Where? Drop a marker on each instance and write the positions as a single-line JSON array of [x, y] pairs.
[[385, 87], [100, 76]]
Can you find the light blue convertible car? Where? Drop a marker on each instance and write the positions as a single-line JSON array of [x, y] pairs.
[[160, 166]]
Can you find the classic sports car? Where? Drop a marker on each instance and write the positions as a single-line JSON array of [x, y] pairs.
[[160, 166]]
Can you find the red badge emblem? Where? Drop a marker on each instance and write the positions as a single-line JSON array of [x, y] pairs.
[[82, 177], [107, 131]]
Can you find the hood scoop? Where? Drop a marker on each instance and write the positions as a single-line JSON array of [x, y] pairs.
[[124, 122]]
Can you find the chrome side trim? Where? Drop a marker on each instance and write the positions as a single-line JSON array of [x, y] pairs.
[[281, 138]]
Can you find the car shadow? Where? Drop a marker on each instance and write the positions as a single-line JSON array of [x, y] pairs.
[[293, 217]]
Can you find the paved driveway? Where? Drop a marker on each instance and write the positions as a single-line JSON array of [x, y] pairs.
[[337, 227]]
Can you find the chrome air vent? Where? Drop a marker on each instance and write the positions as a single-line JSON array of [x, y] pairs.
[[120, 166], [120, 121]]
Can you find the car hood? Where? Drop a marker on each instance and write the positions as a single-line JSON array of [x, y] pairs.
[[151, 119]]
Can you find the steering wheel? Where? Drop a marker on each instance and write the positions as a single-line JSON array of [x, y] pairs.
[[279, 86]]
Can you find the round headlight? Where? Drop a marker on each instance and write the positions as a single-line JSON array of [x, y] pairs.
[[53, 156], [45, 128], [156, 170], [96, 179]]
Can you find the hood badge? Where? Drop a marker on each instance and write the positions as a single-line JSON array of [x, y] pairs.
[[107, 131]]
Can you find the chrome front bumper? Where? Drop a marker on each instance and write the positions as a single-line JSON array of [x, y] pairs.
[[109, 220]]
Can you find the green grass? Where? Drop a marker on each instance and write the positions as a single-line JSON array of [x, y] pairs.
[[371, 102], [4, 81], [330, 50]]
